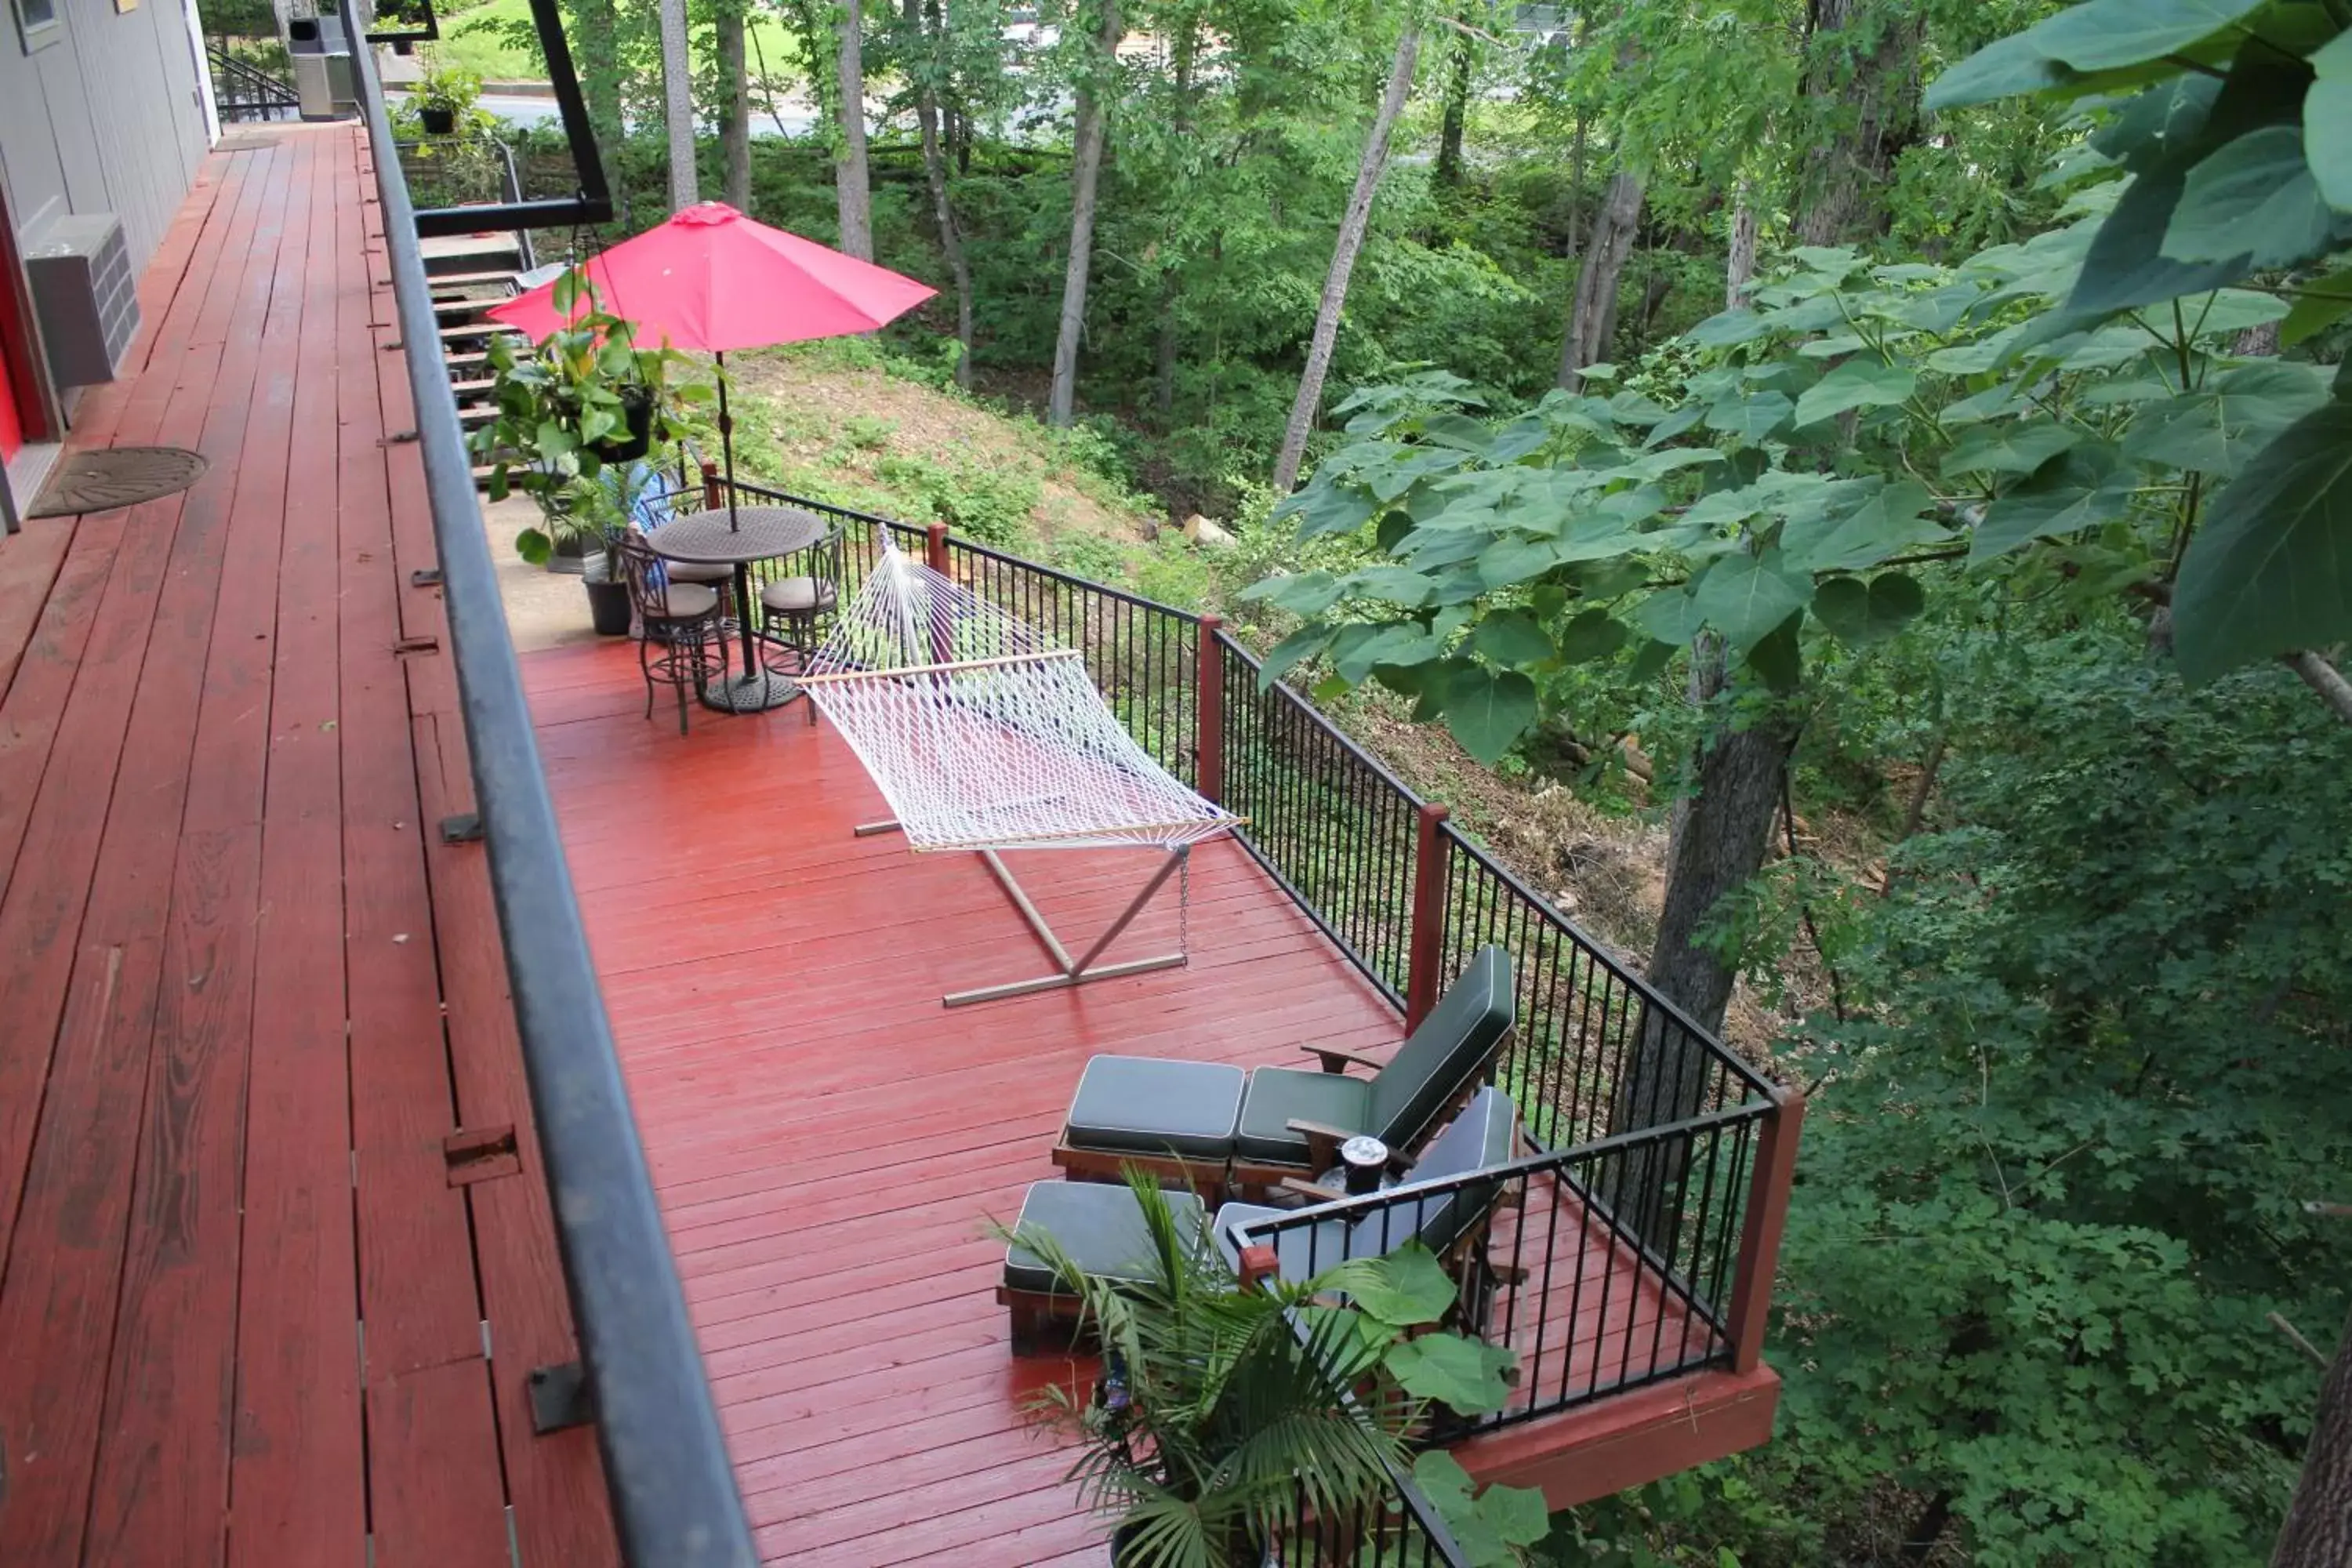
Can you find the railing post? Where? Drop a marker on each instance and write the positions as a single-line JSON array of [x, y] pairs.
[[1209, 719], [935, 548], [711, 498], [1760, 1237], [1426, 947]]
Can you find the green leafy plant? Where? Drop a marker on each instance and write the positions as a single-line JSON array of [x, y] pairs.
[[1226, 1407], [566, 403], [450, 94]]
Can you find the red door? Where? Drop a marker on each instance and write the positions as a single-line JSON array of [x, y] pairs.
[[21, 411]]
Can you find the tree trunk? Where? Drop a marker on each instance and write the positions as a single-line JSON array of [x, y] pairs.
[[853, 198], [1457, 108], [734, 103], [678, 106], [1864, 75], [1592, 321], [1085, 172], [2258, 342], [935, 175], [1165, 347], [2318, 1529], [1740, 266], [1375, 160]]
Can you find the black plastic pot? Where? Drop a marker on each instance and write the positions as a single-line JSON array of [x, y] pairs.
[[438, 121], [608, 602], [637, 409]]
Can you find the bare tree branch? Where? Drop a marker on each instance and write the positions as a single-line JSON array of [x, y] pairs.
[[2318, 1357], [2324, 679]]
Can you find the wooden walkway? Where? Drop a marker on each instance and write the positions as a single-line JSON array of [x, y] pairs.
[[246, 992], [829, 1141]]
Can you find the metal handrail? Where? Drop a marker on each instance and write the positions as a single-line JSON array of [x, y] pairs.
[[666, 1471]]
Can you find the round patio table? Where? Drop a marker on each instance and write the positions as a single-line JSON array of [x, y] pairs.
[[757, 533]]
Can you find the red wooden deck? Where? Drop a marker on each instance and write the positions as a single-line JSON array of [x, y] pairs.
[[829, 1141], [244, 992]]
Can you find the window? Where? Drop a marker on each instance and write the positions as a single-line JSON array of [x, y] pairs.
[[36, 20]]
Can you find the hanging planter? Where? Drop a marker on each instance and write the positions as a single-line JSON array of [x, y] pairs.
[[437, 119], [636, 438]]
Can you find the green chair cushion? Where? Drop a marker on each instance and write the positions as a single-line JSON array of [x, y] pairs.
[[1452, 1046], [1144, 1105], [1099, 1224], [1276, 1094]]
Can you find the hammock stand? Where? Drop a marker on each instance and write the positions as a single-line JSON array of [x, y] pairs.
[[1012, 748]]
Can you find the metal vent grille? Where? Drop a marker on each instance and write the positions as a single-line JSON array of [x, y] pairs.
[[79, 268]]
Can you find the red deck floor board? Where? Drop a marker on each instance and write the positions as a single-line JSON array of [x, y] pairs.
[[192, 873]]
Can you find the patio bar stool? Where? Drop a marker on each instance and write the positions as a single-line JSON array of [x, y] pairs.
[[805, 594], [681, 640]]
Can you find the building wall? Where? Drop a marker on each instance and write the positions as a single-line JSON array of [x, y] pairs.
[[103, 112]]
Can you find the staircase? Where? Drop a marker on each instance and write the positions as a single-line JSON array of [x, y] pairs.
[[244, 91], [469, 275]]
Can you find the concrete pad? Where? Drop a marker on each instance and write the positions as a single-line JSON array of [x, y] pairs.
[[544, 609]]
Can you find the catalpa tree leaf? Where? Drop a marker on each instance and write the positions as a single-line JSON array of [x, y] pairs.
[[1746, 596], [1862, 613], [2327, 122], [2104, 34], [1595, 634], [1885, 525], [2013, 449], [1406, 1288], [2239, 412], [2318, 305], [1856, 383], [1487, 711], [2269, 572], [2256, 198], [1465, 1376], [1511, 638], [2080, 491]]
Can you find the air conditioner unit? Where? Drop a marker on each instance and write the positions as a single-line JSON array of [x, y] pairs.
[[88, 302]]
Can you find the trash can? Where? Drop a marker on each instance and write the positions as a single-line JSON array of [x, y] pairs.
[[320, 54]]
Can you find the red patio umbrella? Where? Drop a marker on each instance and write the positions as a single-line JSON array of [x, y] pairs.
[[712, 279]]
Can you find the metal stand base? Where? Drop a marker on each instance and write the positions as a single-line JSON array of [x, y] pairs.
[[1077, 971], [754, 693]]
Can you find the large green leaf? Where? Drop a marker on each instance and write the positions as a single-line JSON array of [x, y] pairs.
[[1671, 618], [1516, 560], [1746, 596], [2078, 493], [1862, 613], [1487, 711], [1464, 1374], [1595, 634], [1300, 592], [2270, 570], [1296, 648], [1406, 1288], [2012, 449], [1399, 643], [2004, 69], [1391, 585], [1856, 383], [2318, 305], [1751, 418], [1511, 638], [1491, 1528], [2254, 196], [2239, 411], [2327, 122], [1882, 527]]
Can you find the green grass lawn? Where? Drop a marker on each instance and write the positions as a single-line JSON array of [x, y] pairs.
[[469, 40]]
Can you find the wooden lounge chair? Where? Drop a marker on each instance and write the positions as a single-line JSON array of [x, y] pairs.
[[1178, 1119], [1101, 1229]]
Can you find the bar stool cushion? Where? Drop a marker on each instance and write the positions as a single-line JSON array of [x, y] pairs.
[[1099, 1224], [1149, 1106], [797, 595], [687, 601]]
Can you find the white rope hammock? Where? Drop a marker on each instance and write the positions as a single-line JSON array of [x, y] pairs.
[[984, 736]]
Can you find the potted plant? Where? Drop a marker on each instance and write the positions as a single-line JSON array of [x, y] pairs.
[[585, 398], [444, 97], [1222, 1409]]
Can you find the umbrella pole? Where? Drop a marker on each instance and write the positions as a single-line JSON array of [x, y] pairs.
[[727, 440]]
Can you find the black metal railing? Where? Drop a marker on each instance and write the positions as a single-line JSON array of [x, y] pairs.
[[1604, 1267], [667, 1472], [467, 171], [1330, 824], [244, 90]]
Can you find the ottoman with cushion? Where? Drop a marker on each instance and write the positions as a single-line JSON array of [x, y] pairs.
[[1100, 1227], [1175, 1118]]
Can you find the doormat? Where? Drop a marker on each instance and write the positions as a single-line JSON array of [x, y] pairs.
[[244, 142], [116, 476]]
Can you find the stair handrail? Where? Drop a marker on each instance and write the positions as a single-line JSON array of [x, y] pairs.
[[274, 90]]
